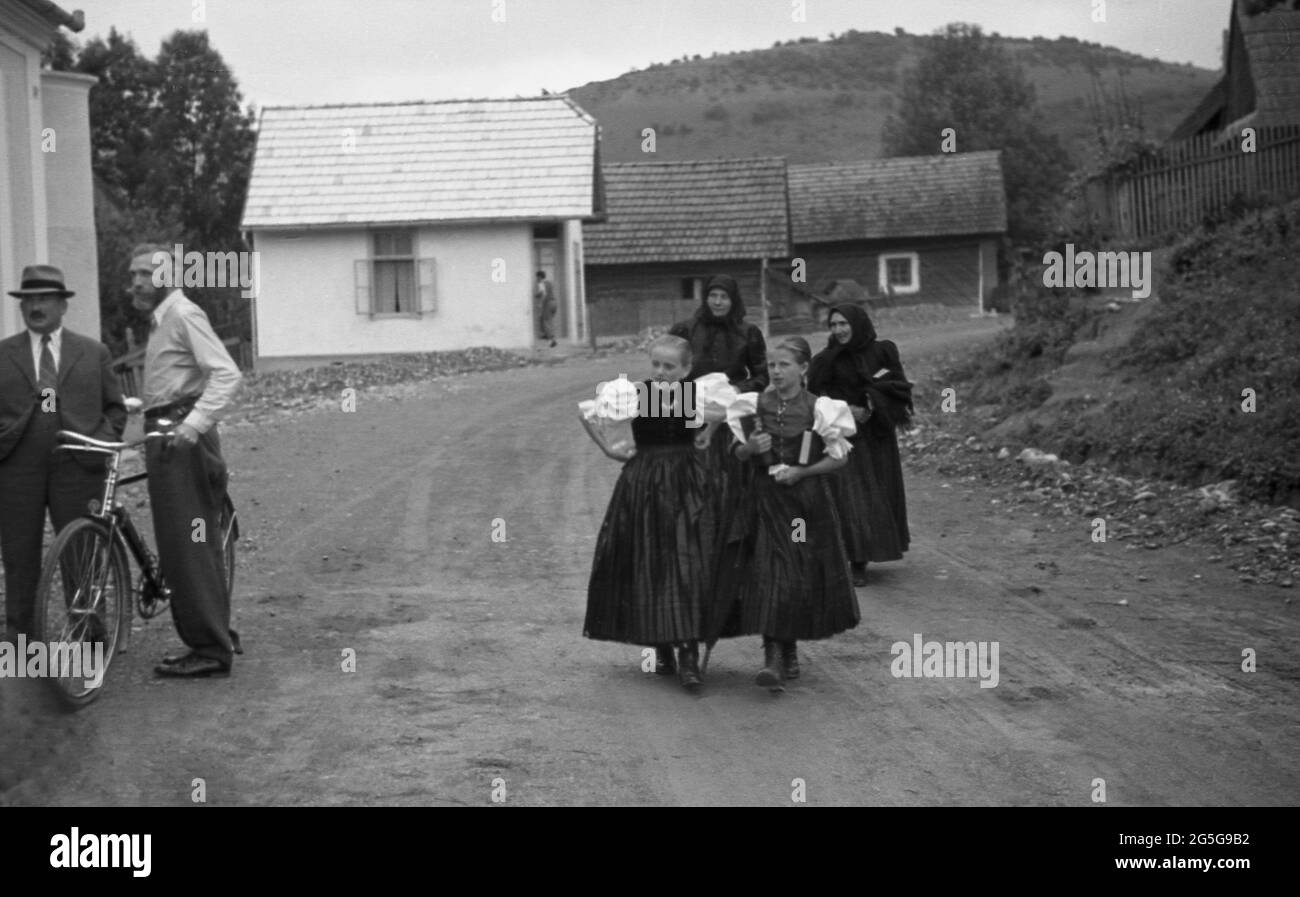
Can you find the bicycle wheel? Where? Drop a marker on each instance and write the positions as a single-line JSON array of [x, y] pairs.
[[229, 536], [83, 600]]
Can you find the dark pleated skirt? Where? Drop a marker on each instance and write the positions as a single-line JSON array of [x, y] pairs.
[[867, 503], [653, 565], [888, 465], [729, 481], [769, 584]]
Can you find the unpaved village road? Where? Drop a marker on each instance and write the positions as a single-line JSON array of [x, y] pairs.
[[371, 531]]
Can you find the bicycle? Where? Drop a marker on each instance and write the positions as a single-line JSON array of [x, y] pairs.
[[85, 594]]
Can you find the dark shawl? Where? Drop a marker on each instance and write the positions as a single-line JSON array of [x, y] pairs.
[[725, 344], [847, 372]]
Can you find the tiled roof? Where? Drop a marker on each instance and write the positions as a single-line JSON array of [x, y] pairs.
[[691, 211], [462, 160], [1272, 40], [909, 196]]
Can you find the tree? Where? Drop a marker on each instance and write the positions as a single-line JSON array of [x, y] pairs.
[[202, 141], [966, 82], [171, 153], [121, 113]]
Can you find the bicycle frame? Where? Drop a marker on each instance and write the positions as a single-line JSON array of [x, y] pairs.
[[122, 530]]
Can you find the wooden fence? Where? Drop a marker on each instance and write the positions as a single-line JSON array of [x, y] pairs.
[[1188, 180], [130, 367]]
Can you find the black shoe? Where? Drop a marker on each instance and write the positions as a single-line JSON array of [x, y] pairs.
[[193, 666], [859, 575], [688, 666], [789, 660], [770, 674], [665, 665], [552, 344], [172, 659]]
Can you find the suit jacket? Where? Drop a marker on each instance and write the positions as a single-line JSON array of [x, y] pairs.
[[88, 396]]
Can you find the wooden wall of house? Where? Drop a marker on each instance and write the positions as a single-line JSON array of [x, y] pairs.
[[949, 269], [625, 299]]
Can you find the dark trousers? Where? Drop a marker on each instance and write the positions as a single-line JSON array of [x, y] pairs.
[[188, 485], [32, 480]]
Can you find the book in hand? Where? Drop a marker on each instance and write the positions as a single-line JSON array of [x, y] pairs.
[[811, 449]]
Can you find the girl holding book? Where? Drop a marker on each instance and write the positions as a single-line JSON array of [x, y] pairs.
[[866, 372], [790, 580], [652, 568]]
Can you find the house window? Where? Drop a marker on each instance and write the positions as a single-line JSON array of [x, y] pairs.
[[393, 281], [900, 272], [693, 288], [394, 284]]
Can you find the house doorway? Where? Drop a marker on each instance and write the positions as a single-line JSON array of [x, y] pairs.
[[546, 258]]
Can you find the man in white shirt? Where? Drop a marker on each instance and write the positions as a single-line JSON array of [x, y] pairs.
[[190, 380]]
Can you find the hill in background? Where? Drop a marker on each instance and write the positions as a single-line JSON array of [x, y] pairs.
[[827, 100]]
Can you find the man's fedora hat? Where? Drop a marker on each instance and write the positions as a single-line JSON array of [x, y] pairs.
[[42, 280]]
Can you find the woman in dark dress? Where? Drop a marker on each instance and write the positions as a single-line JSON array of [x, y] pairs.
[[722, 342], [782, 586], [651, 571], [866, 372]]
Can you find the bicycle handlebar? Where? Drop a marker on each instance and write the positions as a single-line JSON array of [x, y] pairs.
[[99, 447]]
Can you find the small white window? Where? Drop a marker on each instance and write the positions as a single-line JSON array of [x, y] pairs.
[[900, 272], [394, 282]]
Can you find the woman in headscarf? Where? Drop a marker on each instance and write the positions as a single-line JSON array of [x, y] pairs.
[[722, 342], [858, 368]]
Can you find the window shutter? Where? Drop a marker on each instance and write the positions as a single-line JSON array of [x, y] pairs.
[[361, 284], [428, 286]]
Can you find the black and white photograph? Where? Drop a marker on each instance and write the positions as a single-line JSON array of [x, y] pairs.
[[680, 403]]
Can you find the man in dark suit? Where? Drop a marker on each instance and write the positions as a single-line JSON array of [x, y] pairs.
[[51, 379]]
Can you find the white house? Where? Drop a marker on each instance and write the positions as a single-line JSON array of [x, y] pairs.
[[417, 226], [47, 209]]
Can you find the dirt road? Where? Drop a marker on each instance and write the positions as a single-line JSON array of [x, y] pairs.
[[371, 532]]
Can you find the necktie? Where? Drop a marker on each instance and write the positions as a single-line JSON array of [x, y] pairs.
[[49, 376]]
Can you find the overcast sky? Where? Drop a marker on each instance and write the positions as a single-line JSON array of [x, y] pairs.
[[338, 51]]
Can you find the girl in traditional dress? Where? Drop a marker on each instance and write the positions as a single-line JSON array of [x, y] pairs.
[[866, 372], [791, 578], [722, 342], [652, 569]]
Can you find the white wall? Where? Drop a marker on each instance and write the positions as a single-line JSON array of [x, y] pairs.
[[22, 188], [69, 195], [46, 201], [306, 306]]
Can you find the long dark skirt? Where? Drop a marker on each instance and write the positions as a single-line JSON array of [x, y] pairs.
[[769, 583], [866, 503], [888, 465], [729, 481], [653, 565]]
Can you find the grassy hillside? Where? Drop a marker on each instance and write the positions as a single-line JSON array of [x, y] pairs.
[[815, 101], [1159, 389]]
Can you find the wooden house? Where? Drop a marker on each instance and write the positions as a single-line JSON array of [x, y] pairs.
[[1260, 86], [908, 230], [670, 226]]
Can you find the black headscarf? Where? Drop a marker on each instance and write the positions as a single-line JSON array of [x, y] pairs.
[[730, 327], [734, 316], [847, 371]]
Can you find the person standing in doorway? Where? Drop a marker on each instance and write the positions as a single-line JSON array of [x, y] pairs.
[[545, 299]]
